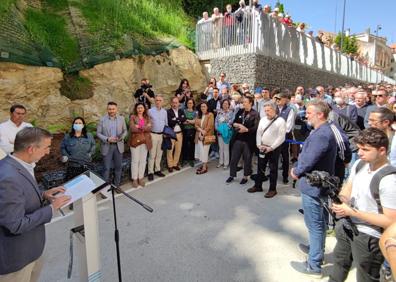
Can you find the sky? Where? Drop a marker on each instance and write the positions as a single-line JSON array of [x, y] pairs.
[[359, 15]]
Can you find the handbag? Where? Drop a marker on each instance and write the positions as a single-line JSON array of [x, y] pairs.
[[137, 139], [209, 139]]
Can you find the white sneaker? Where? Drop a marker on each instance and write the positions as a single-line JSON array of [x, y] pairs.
[[219, 165]]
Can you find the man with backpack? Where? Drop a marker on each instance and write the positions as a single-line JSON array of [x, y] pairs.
[[370, 200]]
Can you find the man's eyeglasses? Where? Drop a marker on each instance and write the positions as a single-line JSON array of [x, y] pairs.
[[277, 98]]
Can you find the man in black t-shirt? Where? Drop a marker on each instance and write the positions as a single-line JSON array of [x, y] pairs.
[[145, 94]]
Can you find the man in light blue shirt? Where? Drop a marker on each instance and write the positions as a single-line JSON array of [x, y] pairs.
[[159, 118], [222, 83]]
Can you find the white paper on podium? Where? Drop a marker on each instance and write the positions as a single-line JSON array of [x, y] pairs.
[[79, 187]]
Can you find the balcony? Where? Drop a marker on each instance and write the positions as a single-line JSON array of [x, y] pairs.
[[256, 33]]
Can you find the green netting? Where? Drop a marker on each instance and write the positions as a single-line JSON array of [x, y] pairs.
[[28, 39], [16, 44]]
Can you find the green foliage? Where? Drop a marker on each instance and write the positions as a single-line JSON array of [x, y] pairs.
[[349, 44], [5, 6], [76, 87], [34, 122], [56, 5], [104, 30], [58, 128], [49, 30], [147, 18], [281, 8], [195, 8], [91, 128]]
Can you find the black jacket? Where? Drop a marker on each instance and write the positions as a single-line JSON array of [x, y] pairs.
[[350, 129], [250, 120], [173, 120]]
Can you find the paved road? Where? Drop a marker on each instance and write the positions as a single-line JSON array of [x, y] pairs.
[[201, 230]]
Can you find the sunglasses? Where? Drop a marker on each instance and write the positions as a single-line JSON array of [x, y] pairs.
[[380, 95], [277, 98]]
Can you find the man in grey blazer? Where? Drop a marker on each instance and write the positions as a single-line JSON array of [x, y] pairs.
[[111, 131], [24, 209]]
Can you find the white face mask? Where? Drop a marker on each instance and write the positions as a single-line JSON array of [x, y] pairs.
[[298, 98], [339, 100], [393, 126]]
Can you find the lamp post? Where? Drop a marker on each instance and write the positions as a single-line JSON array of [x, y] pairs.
[[343, 26], [379, 27], [375, 43]]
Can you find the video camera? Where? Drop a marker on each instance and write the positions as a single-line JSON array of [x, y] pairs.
[[329, 186], [146, 87]]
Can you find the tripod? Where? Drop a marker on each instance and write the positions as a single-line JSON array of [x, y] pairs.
[[116, 232]]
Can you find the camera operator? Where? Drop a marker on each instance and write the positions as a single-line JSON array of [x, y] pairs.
[[370, 200], [145, 94], [318, 153]]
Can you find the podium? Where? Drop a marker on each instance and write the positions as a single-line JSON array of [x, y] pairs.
[[87, 230], [83, 190]]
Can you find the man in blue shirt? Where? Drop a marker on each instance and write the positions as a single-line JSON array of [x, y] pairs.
[[159, 118], [318, 153], [222, 83]]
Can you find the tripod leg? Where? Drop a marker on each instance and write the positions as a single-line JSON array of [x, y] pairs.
[[116, 236]]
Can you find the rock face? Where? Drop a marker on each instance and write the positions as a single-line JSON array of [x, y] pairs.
[[38, 88]]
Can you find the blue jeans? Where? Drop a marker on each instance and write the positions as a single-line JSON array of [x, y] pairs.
[[314, 219]]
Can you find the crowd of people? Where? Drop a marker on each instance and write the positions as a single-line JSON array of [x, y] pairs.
[[347, 131], [237, 24]]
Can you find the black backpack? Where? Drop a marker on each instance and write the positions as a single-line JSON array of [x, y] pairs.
[[374, 186]]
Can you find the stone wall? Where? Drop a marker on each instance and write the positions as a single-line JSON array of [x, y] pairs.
[[260, 70], [38, 88]]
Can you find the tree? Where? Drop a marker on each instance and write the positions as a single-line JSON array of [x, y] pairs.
[[349, 43], [195, 8]]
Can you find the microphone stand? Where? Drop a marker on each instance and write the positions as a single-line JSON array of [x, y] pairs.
[[116, 232]]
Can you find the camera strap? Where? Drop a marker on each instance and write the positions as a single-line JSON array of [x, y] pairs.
[[268, 126]]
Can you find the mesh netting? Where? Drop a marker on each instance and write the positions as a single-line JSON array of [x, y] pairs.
[[16, 45]]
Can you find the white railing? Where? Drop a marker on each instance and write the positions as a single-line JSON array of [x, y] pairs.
[[254, 33]]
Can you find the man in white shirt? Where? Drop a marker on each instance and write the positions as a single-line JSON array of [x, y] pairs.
[[205, 26], [10, 128], [269, 138], [369, 199]]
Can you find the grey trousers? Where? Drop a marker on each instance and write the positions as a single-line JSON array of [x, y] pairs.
[[113, 159]]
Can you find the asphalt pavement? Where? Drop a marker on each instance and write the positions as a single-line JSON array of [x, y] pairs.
[[201, 230]]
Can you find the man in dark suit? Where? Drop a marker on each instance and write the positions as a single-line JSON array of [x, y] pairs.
[[23, 207], [111, 131], [176, 118]]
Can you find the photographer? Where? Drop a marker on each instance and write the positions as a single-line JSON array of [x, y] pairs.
[[318, 153], [145, 94], [269, 138], [370, 200]]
